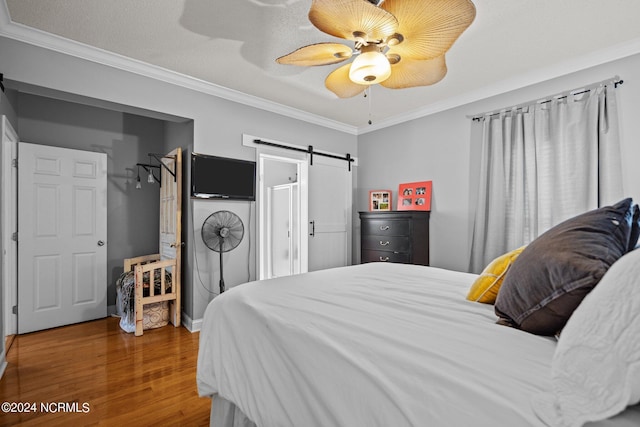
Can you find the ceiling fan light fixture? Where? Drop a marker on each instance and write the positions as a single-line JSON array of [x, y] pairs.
[[370, 68]]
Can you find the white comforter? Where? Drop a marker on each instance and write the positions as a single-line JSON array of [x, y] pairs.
[[370, 345]]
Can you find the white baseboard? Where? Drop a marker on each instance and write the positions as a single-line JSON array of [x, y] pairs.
[[3, 365], [191, 325]]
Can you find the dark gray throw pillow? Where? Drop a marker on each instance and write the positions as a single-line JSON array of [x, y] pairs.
[[558, 269]]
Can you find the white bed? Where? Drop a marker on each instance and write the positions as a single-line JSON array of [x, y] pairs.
[[370, 345]]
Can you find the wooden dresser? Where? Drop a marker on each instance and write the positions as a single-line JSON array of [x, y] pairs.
[[395, 236]]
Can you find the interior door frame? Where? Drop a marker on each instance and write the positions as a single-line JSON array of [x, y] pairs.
[[302, 167], [9, 247]]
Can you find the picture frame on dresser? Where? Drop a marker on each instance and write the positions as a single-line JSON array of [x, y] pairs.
[[379, 200], [414, 196]]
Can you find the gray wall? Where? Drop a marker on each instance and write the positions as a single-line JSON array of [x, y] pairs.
[[7, 101], [132, 215], [445, 148], [218, 125]]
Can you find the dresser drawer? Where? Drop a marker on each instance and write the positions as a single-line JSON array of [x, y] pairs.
[[384, 256], [384, 227], [386, 243], [395, 236]]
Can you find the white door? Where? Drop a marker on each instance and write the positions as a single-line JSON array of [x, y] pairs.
[[62, 232], [330, 183], [9, 203]]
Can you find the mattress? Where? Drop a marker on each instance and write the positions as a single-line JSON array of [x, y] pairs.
[[375, 344]]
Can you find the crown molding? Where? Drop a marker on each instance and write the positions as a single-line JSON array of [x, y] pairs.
[[62, 45], [66, 46], [569, 66]]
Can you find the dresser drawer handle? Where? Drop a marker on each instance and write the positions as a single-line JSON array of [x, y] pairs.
[[384, 227], [385, 259], [384, 243]]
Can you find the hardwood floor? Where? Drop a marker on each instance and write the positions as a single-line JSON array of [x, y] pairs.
[[103, 376]]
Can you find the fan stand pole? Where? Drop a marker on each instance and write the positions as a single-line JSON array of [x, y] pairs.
[[221, 279]]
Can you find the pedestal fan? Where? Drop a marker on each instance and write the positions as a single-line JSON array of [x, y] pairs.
[[222, 232]]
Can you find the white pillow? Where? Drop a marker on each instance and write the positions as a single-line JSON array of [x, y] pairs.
[[595, 372]]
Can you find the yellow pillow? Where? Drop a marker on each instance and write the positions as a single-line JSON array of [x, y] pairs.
[[486, 286]]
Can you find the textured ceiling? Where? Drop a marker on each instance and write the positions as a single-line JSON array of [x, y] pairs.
[[233, 44]]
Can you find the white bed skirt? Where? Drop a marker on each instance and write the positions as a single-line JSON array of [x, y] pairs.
[[226, 414]]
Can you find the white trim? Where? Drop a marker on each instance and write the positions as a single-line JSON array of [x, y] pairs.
[[23, 33], [520, 81], [8, 247], [191, 325], [46, 40], [3, 363]]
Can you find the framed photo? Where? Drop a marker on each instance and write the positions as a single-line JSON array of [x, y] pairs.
[[414, 196], [380, 200]]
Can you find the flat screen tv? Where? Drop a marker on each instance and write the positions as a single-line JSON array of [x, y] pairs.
[[214, 177]]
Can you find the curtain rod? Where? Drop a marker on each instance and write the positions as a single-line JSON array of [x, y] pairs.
[[616, 81], [309, 150]]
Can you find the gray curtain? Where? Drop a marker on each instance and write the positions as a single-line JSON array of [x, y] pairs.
[[542, 164]]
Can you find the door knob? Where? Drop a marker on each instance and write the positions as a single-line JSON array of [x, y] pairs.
[[100, 243]]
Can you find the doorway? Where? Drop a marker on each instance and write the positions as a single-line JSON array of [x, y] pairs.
[[282, 211], [324, 205]]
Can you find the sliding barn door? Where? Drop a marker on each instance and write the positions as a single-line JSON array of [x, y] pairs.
[[330, 186], [62, 236]]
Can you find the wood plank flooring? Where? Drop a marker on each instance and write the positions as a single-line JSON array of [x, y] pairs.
[[123, 379]]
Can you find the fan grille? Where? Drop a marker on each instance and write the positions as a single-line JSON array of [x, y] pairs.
[[222, 231]]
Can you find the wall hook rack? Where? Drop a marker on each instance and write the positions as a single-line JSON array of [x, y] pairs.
[[150, 168]]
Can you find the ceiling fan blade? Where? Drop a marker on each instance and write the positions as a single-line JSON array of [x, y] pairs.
[[350, 19], [317, 54], [339, 83], [429, 27], [416, 72]]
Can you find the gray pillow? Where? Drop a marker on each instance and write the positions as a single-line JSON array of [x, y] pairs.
[[558, 269], [635, 228]]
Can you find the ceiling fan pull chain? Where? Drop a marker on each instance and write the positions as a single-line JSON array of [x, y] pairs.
[[368, 94]]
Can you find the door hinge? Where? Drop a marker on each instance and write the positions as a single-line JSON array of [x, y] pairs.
[[14, 163], [14, 309], [14, 236]]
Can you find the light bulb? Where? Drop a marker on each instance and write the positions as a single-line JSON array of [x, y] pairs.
[[150, 179], [138, 184], [370, 68]]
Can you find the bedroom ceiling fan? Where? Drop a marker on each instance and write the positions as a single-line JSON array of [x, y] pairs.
[[398, 43]]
